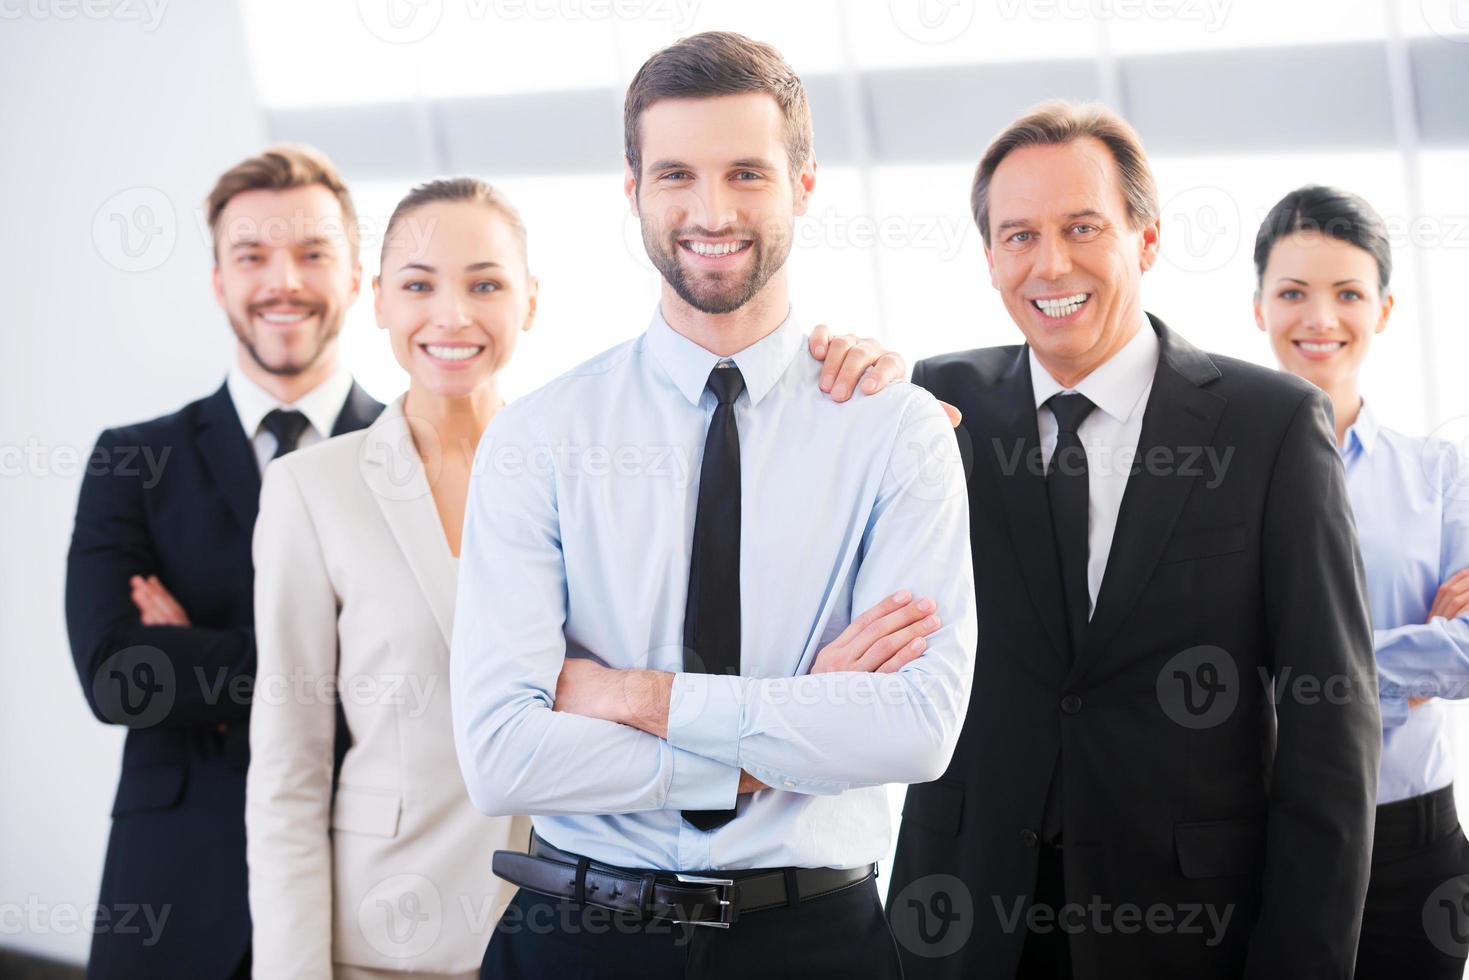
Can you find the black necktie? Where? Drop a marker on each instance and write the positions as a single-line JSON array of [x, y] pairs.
[[286, 426], [711, 626], [1066, 486]]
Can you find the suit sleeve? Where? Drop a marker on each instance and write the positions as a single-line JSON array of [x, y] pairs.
[[289, 784], [1324, 784], [113, 651]]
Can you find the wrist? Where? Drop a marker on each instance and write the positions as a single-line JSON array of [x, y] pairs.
[[644, 700]]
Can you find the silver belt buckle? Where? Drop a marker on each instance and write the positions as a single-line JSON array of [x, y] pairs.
[[726, 901]]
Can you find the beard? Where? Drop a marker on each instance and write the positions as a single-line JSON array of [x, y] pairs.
[[715, 292], [329, 325]]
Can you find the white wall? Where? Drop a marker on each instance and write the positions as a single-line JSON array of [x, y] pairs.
[[151, 105]]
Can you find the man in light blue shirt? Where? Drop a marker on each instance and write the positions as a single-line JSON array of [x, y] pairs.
[[576, 697]]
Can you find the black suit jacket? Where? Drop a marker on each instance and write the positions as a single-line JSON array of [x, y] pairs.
[[1234, 568], [174, 497]]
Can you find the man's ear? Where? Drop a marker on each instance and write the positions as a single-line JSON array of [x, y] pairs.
[[218, 285], [630, 185], [1151, 235], [989, 260], [805, 183]]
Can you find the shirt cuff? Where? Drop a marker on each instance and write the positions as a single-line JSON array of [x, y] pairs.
[[701, 784], [704, 715]]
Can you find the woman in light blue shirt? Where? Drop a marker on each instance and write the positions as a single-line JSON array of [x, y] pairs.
[[1323, 262]]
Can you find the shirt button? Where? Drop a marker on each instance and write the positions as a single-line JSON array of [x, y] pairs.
[[1028, 837], [790, 782], [1071, 704]]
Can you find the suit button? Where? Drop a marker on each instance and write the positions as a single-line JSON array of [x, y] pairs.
[[1028, 838], [1071, 704]]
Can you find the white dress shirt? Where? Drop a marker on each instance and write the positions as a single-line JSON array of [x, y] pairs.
[[321, 406], [1119, 388], [577, 537]]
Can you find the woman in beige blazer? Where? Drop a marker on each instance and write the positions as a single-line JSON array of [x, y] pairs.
[[355, 556]]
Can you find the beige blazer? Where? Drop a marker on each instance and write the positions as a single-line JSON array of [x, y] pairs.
[[354, 592]]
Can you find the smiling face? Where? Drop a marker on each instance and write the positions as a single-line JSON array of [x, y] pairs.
[[1064, 256], [285, 275], [1320, 303], [716, 198], [454, 295]]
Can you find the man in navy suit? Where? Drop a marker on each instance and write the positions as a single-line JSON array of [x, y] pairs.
[[159, 576]]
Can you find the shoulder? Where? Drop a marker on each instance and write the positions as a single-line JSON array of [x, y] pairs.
[[529, 417], [164, 429], [981, 366], [328, 464]]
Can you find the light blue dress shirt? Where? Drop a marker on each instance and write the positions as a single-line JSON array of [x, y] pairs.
[[576, 543], [1412, 511]]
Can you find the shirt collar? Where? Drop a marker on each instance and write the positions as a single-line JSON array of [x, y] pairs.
[[1118, 383], [761, 364], [1362, 433], [321, 405]]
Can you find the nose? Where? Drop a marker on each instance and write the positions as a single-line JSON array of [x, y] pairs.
[[1053, 258], [449, 312], [717, 202], [285, 273], [1320, 314]]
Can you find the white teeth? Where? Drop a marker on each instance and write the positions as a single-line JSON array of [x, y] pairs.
[[1061, 306], [1322, 346], [452, 353], [720, 248], [284, 317]]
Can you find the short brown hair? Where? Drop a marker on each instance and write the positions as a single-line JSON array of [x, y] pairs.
[[469, 190], [1059, 122], [277, 169], [711, 64]]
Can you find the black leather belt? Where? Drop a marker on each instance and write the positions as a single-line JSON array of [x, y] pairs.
[[713, 899], [1413, 823]]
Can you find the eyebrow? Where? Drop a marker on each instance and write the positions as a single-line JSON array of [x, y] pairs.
[[472, 267], [312, 242], [1339, 282], [744, 163], [1016, 222]]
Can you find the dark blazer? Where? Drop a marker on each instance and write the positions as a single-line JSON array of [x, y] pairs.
[[174, 497], [1182, 784]]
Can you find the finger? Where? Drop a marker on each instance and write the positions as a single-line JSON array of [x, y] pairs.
[[149, 595], [901, 659], [869, 616], [878, 653], [955, 416], [893, 622], [889, 367], [863, 355], [174, 607], [836, 352], [817, 343]]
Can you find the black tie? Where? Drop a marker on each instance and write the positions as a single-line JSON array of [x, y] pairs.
[[711, 626], [1066, 486], [286, 426]]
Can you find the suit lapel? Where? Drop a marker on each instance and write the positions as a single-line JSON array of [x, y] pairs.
[[1181, 417], [394, 473], [228, 456], [358, 411], [1007, 415]]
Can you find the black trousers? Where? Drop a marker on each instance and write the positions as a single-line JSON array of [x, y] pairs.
[[1047, 954], [1416, 920], [840, 935]]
